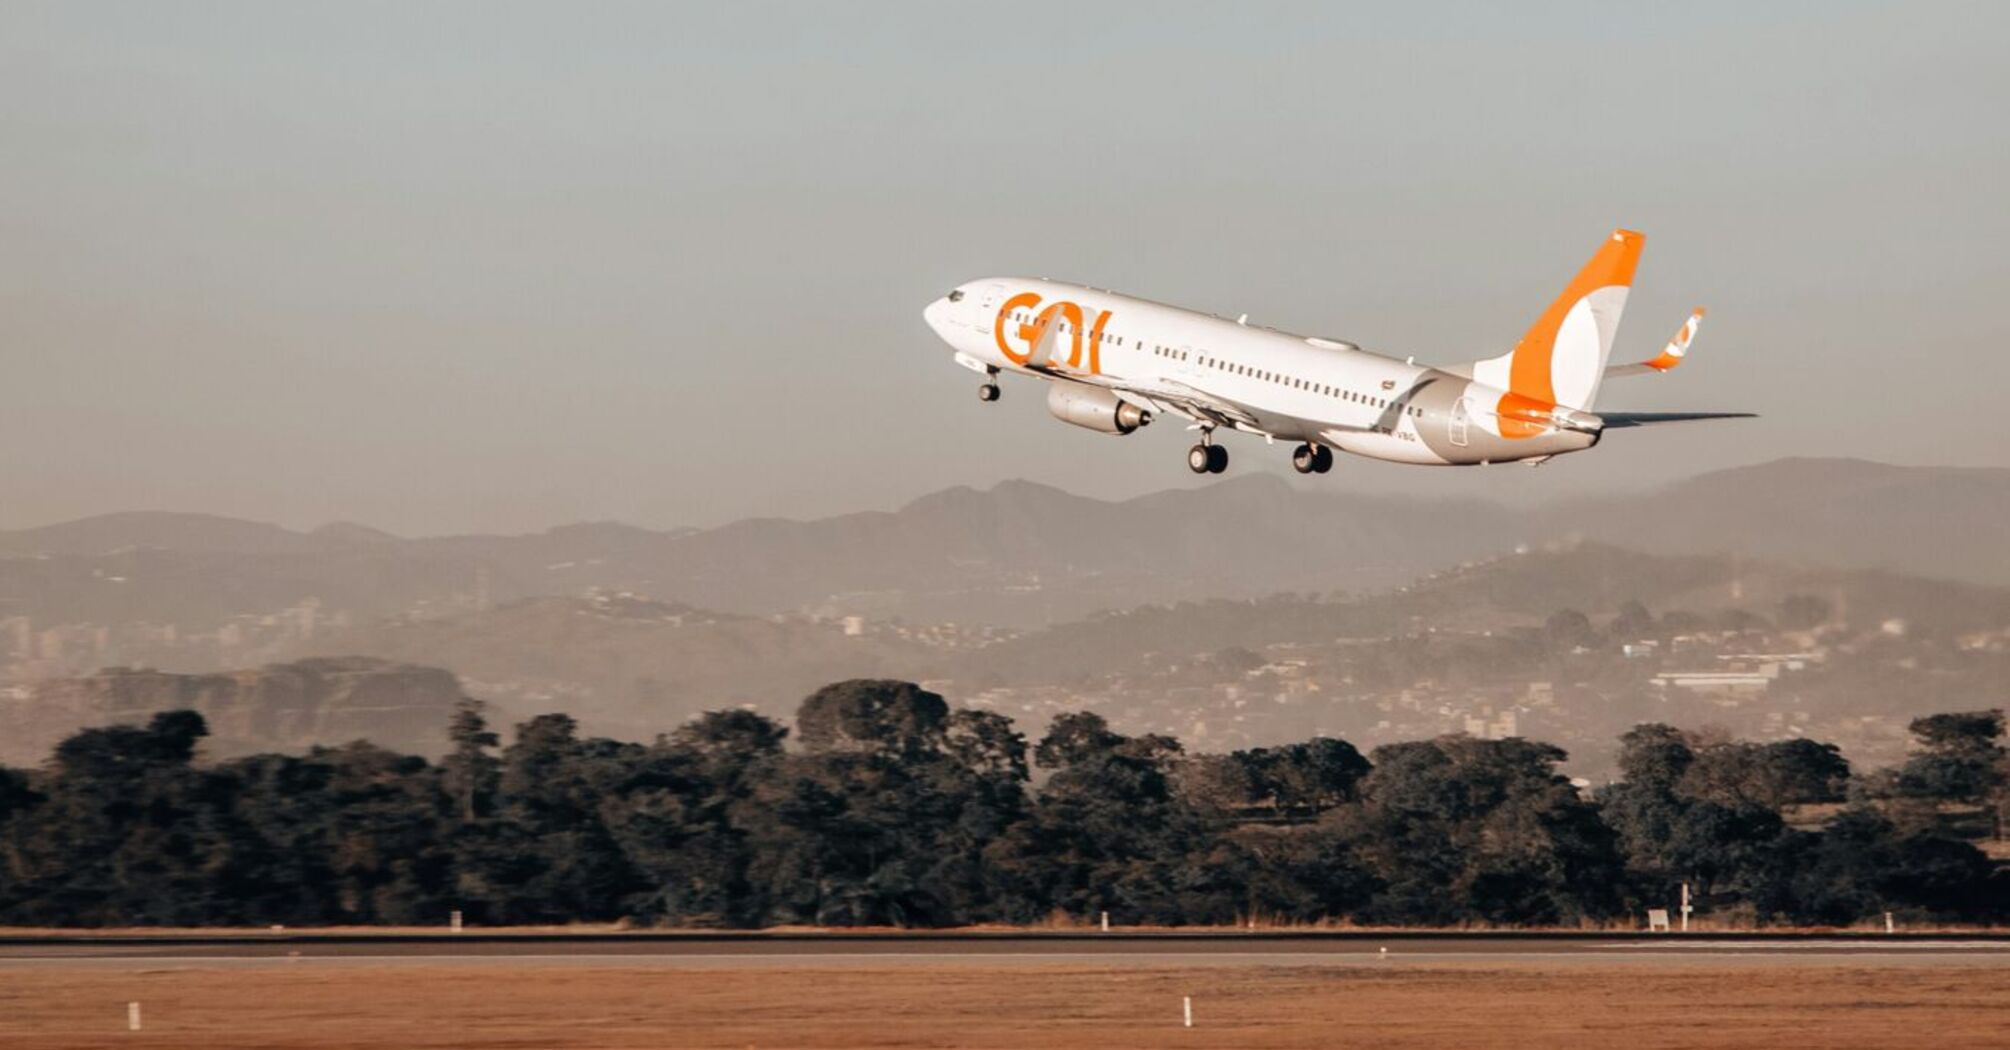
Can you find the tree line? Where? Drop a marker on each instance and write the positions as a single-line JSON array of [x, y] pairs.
[[884, 806]]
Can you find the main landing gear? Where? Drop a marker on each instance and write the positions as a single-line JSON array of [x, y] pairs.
[[1207, 457], [1312, 459]]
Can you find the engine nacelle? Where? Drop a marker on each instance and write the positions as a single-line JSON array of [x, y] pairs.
[[1095, 408]]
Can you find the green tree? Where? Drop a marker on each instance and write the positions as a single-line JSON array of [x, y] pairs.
[[1304, 779], [985, 743], [1075, 737], [562, 862], [470, 770], [1109, 833], [128, 832], [872, 715], [1960, 760], [17, 802], [1653, 755], [1457, 829], [1859, 866], [884, 819], [354, 834], [684, 816], [1787, 772]]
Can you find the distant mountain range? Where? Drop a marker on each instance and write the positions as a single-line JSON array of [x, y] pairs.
[[1018, 554], [632, 667]]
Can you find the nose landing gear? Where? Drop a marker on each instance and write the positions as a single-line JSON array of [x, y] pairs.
[[987, 392], [1312, 459]]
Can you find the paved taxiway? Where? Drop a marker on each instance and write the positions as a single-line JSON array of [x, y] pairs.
[[1117, 949]]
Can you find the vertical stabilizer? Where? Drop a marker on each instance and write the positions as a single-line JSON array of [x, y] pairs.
[[1562, 357]]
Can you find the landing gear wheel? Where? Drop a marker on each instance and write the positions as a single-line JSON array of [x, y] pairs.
[[1217, 459], [987, 392], [1198, 458], [1322, 459], [1305, 459]]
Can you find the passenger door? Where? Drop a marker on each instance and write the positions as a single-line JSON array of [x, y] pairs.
[[987, 307]]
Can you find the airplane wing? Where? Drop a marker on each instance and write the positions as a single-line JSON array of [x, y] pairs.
[[1617, 420], [1670, 356], [1164, 396]]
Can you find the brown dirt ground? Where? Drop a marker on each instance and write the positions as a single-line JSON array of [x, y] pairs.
[[1454, 1005]]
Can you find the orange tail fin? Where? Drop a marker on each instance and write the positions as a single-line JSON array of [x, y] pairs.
[[1562, 357]]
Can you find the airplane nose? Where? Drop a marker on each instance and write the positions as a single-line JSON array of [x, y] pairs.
[[936, 314]]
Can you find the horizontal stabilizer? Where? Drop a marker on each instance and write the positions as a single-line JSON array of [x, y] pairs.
[[1614, 420], [1670, 356]]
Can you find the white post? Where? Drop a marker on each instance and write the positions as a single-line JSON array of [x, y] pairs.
[[1685, 908], [1187, 1000], [455, 920], [1385, 955], [1106, 922], [1889, 926], [132, 1017]]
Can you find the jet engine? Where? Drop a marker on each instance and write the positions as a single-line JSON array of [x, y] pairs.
[[1095, 408]]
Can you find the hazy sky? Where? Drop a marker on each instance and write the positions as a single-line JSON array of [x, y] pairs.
[[498, 267]]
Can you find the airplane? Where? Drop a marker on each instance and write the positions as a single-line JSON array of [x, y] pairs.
[[1114, 363]]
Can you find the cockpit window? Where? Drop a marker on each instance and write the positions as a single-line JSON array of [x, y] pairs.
[[956, 296]]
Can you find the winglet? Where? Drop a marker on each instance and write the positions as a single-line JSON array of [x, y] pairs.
[[1670, 356]]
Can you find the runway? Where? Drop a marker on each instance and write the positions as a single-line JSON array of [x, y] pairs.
[[1005, 990], [1117, 949]]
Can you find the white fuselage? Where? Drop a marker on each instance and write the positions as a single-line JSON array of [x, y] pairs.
[[1223, 372]]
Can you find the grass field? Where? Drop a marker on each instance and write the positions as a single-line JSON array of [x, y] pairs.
[[521, 1005]]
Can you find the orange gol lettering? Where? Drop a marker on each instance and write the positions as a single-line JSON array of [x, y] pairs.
[[1031, 335]]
